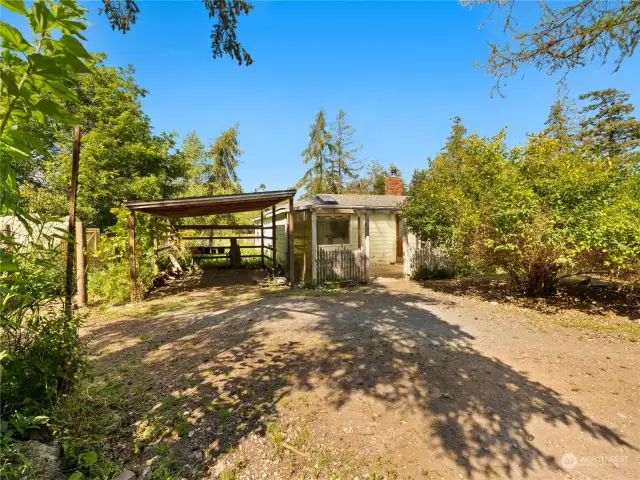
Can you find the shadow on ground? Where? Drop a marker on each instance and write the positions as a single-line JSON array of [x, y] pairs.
[[594, 298], [228, 366]]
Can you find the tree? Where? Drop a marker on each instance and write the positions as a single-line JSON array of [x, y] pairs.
[[372, 183], [121, 14], [194, 155], [455, 140], [539, 212], [343, 165], [316, 178], [121, 157], [566, 37], [224, 153], [561, 122], [608, 126]]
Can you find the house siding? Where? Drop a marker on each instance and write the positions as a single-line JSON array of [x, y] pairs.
[[382, 238]]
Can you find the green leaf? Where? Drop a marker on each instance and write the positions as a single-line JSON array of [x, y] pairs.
[[57, 88], [9, 83], [55, 111], [15, 6], [13, 39], [40, 17], [48, 67], [73, 62], [88, 458], [76, 476], [73, 46]]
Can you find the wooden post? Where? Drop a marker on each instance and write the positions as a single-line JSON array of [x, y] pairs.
[[290, 244], [262, 238], [156, 266], [133, 280], [273, 236], [314, 247], [81, 264], [71, 225], [405, 251], [367, 267]]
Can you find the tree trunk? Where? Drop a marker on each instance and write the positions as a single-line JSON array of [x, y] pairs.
[[541, 280]]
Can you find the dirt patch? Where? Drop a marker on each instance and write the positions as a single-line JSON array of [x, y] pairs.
[[389, 381], [593, 296]]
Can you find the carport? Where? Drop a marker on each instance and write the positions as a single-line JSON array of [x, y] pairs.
[[215, 205]]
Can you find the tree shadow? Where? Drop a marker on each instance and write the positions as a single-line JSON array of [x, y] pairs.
[[229, 368], [594, 297]]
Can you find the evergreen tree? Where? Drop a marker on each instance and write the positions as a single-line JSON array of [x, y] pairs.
[[221, 174], [193, 151], [343, 163], [315, 179], [455, 140], [561, 122], [608, 126]]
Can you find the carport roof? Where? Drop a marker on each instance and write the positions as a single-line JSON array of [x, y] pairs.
[[212, 205]]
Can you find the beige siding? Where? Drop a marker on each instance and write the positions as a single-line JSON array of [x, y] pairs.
[[382, 238]]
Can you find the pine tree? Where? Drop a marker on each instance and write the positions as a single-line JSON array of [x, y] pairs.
[[343, 163], [315, 179], [224, 153], [561, 122], [455, 141], [608, 126]]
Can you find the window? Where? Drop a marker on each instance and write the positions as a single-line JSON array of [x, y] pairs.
[[333, 230]]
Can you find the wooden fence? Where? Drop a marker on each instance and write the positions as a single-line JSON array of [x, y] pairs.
[[425, 256], [341, 264]]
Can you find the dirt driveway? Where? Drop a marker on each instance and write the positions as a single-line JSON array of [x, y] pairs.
[[389, 381]]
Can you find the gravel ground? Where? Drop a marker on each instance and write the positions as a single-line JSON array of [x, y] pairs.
[[388, 381]]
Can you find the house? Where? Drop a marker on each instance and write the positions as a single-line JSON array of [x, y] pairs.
[[339, 221]]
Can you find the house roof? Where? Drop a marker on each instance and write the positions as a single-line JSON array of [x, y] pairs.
[[196, 206], [351, 200]]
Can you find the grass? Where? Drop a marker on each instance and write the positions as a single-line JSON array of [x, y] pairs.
[[629, 329]]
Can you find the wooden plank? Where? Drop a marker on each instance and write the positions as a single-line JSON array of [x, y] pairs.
[[220, 238], [314, 247], [217, 227], [81, 264], [262, 237], [290, 244], [367, 250], [273, 236], [132, 257], [71, 225]]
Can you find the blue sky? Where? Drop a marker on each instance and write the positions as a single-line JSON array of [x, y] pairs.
[[400, 70]]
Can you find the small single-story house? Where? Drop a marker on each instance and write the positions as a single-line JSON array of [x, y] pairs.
[[339, 221]]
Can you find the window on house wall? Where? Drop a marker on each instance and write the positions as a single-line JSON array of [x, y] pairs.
[[333, 230]]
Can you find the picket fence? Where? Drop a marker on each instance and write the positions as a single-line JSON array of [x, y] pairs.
[[426, 255], [341, 264]]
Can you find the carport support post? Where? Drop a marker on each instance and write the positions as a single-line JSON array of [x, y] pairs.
[[366, 247], [273, 238], [132, 257], [314, 246], [290, 252], [156, 267], [262, 238]]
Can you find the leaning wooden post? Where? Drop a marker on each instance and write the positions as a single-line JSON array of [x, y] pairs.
[[273, 237], [133, 280], [81, 264], [290, 244], [314, 247], [366, 248], [262, 238], [71, 225]]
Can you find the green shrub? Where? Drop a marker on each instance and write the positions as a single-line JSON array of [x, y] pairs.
[[428, 272]]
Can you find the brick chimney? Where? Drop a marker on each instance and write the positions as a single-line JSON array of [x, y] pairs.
[[393, 184]]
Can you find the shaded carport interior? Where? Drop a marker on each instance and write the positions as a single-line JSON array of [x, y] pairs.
[[212, 205]]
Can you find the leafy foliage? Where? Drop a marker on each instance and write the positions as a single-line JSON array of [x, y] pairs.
[[538, 212], [224, 41], [566, 37]]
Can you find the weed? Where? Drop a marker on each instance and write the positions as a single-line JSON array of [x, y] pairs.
[[228, 474], [275, 436]]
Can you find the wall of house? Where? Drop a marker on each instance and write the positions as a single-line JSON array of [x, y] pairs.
[[382, 238], [281, 237]]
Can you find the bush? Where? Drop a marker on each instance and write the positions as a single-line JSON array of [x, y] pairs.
[[40, 352], [427, 272], [539, 212]]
